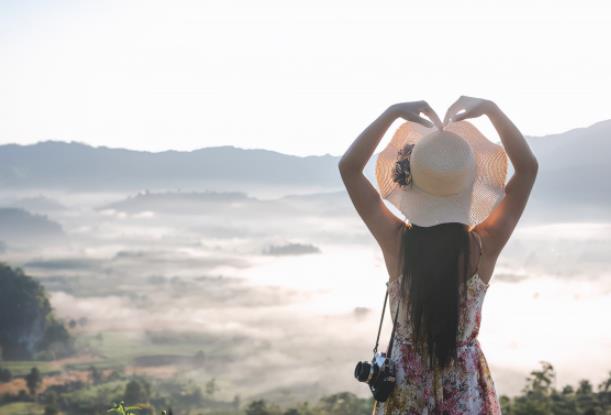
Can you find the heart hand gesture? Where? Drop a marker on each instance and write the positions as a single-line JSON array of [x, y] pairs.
[[411, 112], [473, 107]]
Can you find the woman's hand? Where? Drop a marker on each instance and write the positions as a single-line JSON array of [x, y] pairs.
[[411, 112], [474, 107]]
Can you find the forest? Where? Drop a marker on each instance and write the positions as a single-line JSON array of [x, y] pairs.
[[136, 395], [31, 336]]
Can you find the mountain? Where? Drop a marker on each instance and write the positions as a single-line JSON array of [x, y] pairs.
[[573, 179], [38, 204], [572, 171], [19, 225], [77, 166]]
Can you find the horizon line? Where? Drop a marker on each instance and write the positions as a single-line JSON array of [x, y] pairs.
[[102, 146]]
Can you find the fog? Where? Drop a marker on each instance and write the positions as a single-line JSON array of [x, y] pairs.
[[168, 274]]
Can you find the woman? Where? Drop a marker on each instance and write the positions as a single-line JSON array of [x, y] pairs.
[[449, 182]]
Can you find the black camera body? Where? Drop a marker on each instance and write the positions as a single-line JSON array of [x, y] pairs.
[[379, 375]]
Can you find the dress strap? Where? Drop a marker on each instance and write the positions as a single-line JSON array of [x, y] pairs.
[[479, 241]]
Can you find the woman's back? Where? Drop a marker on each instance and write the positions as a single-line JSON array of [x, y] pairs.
[[466, 386], [450, 175]]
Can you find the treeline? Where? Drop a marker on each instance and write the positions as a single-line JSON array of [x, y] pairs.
[[539, 397], [29, 329]]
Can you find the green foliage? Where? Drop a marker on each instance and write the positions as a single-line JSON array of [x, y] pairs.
[[21, 408], [540, 397], [33, 380], [51, 410], [28, 328], [344, 403], [121, 409], [5, 375], [211, 388], [52, 404], [137, 390], [258, 407], [20, 368], [96, 375]]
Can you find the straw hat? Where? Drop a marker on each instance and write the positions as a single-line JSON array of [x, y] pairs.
[[450, 175]]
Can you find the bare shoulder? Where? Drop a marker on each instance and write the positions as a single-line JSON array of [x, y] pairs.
[[488, 258], [392, 252]]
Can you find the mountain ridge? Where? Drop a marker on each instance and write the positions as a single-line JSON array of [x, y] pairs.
[[598, 124], [575, 157]]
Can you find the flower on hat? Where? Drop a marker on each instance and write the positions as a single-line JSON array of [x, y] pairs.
[[402, 173]]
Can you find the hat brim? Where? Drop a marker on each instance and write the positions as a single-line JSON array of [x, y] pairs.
[[424, 209]]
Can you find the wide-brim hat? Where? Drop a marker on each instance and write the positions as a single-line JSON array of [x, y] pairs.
[[457, 174]]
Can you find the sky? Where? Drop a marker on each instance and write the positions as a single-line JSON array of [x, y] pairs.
[[302, 78]]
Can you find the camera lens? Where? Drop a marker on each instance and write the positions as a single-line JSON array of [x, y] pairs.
[[361, 371]]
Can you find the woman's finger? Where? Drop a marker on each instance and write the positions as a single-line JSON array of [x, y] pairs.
[[424, 121], [433, 116], [461, 116], [414, 117], [452, 110]]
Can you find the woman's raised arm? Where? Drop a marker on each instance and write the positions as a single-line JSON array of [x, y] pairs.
[[496, 229], [380, 221]]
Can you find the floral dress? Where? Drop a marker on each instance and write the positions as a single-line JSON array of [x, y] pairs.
[[466, 387]]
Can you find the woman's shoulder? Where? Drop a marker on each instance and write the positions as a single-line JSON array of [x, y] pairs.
[[487, 260]]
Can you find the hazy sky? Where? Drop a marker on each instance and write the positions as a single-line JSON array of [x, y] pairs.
[[296, 77]]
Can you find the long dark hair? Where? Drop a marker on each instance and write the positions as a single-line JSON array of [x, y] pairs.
[[435, 259]]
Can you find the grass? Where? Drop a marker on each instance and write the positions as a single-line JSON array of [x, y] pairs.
[[119, 348], [23, 367], [90, 392], [22, 408]]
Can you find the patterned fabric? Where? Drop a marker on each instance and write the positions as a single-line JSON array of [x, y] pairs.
[[466, 387]]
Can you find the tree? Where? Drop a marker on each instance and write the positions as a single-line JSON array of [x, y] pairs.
[[540, 397], [5, 375], [33, 380], [563, 402], [27, 324], [116, 374], [137, 391], [96, 375], [344, 403], [586, 401], [211, 388], [505, 402], [258, 407], [192, 398], [51, 409], [604, 393], [537, 392]]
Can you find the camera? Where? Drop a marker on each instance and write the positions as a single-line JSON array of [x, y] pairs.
[[379, 375]]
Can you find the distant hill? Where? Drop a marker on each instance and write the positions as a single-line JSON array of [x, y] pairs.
[[39, 204], [28, 327], [19, 225], [237, 204], [572, 176], [77, 166]]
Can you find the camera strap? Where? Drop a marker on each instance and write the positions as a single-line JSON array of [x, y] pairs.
[[392, 335]]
